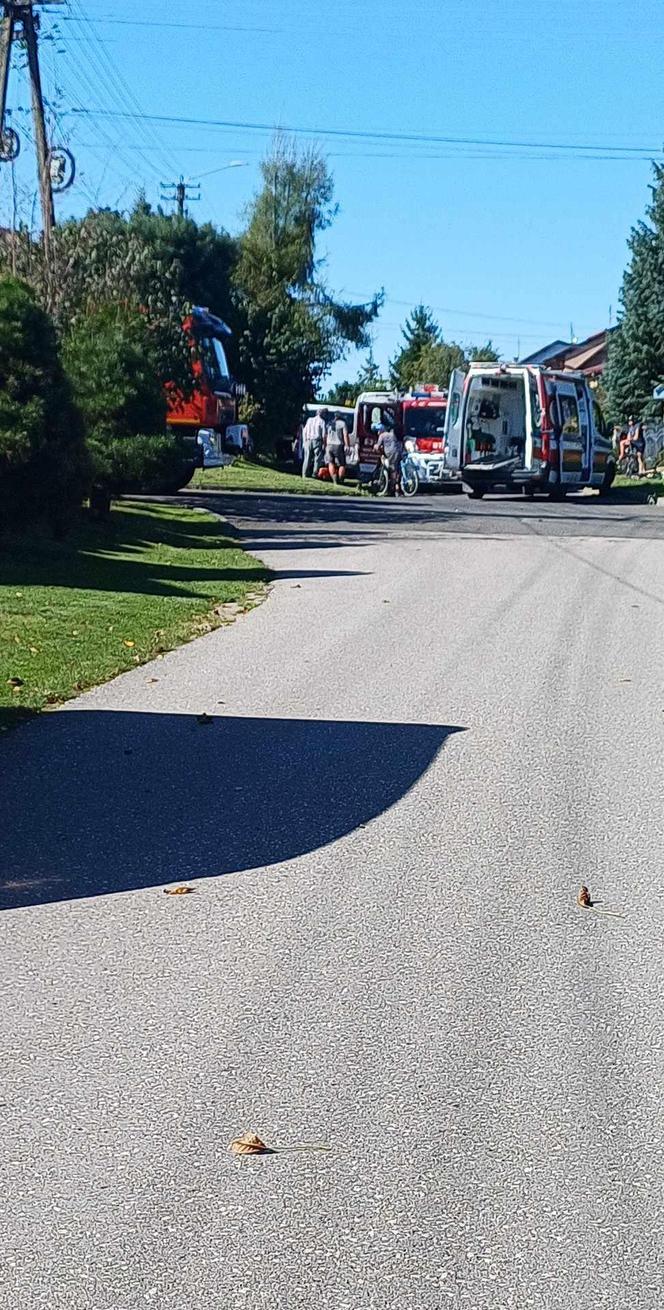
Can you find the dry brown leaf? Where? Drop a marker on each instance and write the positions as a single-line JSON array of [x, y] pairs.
[[129, 644], [178, 891], [583, 897], [249, 1144]]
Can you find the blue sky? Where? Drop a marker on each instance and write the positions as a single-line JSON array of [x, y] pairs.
[[505, 241]]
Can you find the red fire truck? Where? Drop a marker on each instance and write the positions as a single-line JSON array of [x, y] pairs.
[[418, 417], [207, 420], [423, 423]]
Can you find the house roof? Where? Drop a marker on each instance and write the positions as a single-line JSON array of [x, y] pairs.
[[547, 353], [590, 356], [583, 356]]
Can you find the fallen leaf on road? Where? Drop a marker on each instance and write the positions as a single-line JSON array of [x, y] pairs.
[[152, 679], [249, 1144], [129, 644], [204, 718], [624, 679], [15, 683], [386, 602], [178, 891], [583, 897]]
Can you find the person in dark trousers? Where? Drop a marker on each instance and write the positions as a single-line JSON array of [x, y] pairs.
[[313, 443], [390, 448]]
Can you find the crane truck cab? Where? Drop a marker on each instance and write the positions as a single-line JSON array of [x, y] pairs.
[[207, 419]]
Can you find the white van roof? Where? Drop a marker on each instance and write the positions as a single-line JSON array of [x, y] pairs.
[[492, 369], [377, 398], [331, 409]]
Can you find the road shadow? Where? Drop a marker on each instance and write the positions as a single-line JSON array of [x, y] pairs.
[[93, 802], [303, 522]]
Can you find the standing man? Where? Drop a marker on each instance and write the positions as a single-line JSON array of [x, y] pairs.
[[335, 453], [313, 444]]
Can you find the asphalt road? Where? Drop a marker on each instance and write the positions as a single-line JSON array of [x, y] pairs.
[[445, 718]]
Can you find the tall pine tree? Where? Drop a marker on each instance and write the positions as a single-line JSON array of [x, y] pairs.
[[636, 351], [295, 330], [420, 332]]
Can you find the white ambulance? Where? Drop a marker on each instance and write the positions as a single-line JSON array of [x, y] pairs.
[[523, 427]]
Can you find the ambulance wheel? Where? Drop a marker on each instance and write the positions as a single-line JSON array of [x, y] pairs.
[[474, 494], [557, 493], [608, 479], [529, 491], [175, 485]]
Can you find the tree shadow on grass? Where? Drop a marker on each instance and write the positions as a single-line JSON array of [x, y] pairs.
[[101, 557], [96, 802]]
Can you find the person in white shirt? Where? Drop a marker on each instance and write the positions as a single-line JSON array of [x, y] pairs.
[[313, 443]]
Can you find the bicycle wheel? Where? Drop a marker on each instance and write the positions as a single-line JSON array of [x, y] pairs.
[[383, 482], [410, 481]]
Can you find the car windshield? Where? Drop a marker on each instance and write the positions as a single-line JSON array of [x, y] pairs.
[[214, 361], [429, 422]]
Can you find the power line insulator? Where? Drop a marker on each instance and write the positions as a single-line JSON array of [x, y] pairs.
[[62, 169], [10, 145]]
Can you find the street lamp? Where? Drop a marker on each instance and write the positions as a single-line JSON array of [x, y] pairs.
[[234, 163]]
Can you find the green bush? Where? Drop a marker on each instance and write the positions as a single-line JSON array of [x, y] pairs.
[[111, 358], [44, 465], [137, 463]]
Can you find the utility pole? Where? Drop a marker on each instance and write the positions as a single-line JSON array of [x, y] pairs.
[[6, 39], [179, 194], [19, 19], [30, 26]]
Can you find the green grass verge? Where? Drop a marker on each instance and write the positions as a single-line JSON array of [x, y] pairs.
[[244, 475], [639, 489], [113, 595]]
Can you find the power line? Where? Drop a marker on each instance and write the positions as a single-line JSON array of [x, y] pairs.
[[407, 138], [189, 27], [410, 156], [117, 146], [121, 92], [462, 313]]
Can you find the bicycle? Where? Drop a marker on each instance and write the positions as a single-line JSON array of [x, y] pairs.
[[409, 477], [628, 466]]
